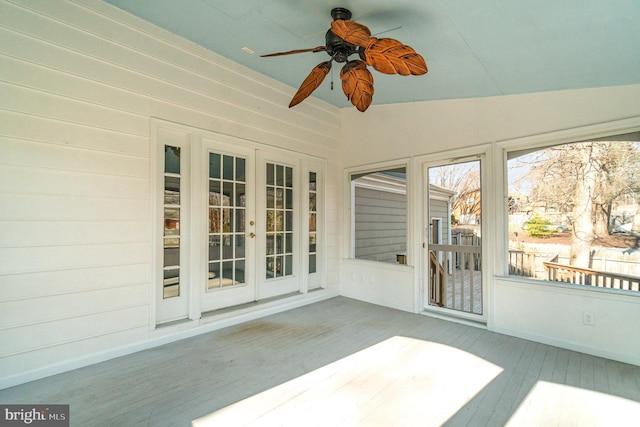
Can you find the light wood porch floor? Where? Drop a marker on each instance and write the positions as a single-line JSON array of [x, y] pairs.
[[401, 369], [463, 292]]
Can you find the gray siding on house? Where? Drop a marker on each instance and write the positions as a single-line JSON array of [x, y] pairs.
[[380, 224], [440, 209]]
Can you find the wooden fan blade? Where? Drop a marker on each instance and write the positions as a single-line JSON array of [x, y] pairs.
[[357, 84], [351, 32], [311, 83], [389, 56], [291, 52]]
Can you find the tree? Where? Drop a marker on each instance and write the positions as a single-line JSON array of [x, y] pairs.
[[539, 227], [619, 180], [585, 180], [584, 195], [635, 228], [464, 179]]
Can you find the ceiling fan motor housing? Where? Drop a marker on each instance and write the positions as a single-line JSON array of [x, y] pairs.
[[340, 13], [337, 48]]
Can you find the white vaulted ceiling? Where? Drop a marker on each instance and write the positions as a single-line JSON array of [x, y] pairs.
[[472, 48]]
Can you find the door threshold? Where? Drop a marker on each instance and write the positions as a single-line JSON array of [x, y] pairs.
[[255, 309], [173, 323], [249, 305], [478, 323]]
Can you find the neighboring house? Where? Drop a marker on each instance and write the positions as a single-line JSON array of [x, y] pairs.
[[380, 216], [440, 200]]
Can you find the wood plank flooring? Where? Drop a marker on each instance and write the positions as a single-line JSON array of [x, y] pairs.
[[446, 373], [463, 291]]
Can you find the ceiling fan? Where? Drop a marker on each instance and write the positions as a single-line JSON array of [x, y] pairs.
[[346, 38]]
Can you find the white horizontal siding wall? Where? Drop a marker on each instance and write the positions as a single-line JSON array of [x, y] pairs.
[[79, 84]]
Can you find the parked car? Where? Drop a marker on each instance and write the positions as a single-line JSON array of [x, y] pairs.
[[624, 228]]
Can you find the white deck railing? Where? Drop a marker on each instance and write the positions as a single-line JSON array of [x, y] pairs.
[[586, 276], [545, 267], [455, 277]]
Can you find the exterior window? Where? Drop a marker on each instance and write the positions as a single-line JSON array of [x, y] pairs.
[[313, 216], [171, 236], [279, 220], [379, 206], [574, 213]]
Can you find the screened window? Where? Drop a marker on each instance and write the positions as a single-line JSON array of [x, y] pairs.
[[379, 206], [573, 213]]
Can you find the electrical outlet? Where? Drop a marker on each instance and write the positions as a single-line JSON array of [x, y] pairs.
[[588, 319]]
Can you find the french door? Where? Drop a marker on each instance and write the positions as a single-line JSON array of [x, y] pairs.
[[229, 235], [278, 203], [230, 223], [252, 223]]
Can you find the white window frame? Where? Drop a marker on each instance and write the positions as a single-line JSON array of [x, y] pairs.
[[157, 215], [349, 201], [315, 280], [539, 142]]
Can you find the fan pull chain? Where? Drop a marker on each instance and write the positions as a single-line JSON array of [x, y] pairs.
[[332, 78], [331, 70]]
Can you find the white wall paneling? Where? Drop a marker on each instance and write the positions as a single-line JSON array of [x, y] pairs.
[[80, 83], [560, 317], [391, 285], [451, 129]]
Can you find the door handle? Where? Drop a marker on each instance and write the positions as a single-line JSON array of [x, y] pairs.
[[252, 235]]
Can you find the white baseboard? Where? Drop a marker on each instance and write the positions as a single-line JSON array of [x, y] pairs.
[[631, 359]]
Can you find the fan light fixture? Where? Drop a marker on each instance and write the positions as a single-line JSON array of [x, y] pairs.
[[346, 38]]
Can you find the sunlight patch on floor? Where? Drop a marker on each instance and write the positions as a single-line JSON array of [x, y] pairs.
[[400, 381], [550, 404]]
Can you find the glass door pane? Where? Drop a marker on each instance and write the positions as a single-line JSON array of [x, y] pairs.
[[227, 221], [278, 227], [279, 221], [228, 238]]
